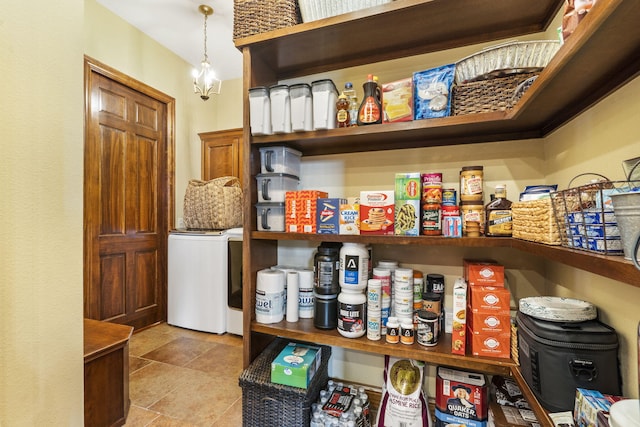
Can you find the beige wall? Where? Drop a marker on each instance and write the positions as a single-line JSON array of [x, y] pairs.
[[41, 116]]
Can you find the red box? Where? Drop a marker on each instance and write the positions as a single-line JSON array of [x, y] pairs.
[[489, 299], [301, 209], [461, 397], [489, 322], [483, 273], [489, 344]]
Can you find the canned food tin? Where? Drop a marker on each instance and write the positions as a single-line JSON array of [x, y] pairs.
[[449, 197]]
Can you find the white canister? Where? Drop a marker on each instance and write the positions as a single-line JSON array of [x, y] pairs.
[[301, 107], [404, 275], [373, 324], [270, 296], [293, 290], [325, 96], [354, 266], [374, 297], [305, 295], [625, 413], [260, 111], [384, 275], [352, 313], [280, 109], [403, 304]]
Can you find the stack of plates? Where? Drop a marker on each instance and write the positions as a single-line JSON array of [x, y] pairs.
[[557, 309]]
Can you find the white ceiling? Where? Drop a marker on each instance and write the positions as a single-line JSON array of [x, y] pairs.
[[177, 25]]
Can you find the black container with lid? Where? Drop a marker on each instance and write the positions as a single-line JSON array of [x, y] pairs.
[[325, 314], [326, 269], [434, 283]]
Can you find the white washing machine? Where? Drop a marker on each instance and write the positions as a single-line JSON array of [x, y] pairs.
[[198, 280]]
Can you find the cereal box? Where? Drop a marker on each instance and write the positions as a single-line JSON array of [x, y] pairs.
[[300, 210], [376, 212], [483, 273], [397, 101], [458, 341], [350, 216], [328, 215], [407, 204], [461, 398]]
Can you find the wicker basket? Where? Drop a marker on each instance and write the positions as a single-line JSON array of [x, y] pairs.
[[312, 10], [484, 96], [265, 404], [213, 205], [533, 220], [252, 17]]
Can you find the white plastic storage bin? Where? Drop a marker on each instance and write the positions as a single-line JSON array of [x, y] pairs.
[[260, 111], [272, 187], [270, 216], [325, 96], [280, 109], [280, 159], [301, 107]]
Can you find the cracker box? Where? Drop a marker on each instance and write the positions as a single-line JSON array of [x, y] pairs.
[[461, 398], [295, 365], [328, 215], [510, 416], [300, 210], [458, 340], [489, 344], [350, 216], [483, 272], [377, 212], [489, 299], [407, 204], [590, 404], [397, 101]]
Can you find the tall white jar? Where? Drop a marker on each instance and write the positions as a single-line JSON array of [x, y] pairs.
[[354, 266]]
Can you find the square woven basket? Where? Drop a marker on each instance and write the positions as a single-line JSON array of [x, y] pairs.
[[265, 404], [485, 96], [252, 17], [534, 220]]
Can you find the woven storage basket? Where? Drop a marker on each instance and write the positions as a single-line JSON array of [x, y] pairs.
[[213, 205], [265, 404], [313, 10], [255, 16], [533, 220], [484, 96]]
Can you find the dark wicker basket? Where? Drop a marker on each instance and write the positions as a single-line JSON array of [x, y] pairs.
[[256, 16], [484, 96], [265, 404]]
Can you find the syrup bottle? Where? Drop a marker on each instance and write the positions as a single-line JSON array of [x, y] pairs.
[[342, 111], [370, 111], [499, 222]]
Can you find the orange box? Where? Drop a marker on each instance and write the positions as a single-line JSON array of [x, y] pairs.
[[494, 323], [301, 209], [458, 340], [483, 272], [489, 299], [377, 212], [489, 345]]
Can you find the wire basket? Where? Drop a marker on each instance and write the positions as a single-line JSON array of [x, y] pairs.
[[266, 404], [585, 216]]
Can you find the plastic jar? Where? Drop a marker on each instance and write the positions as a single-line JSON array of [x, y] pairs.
[[406, 333], [432, 302], [354, 266], [428, 328], [393, 330], [374, 294], [325, 314], [471, 183], [352, 313], [472, 212], [326, 267], [435, 283], [374, 324]]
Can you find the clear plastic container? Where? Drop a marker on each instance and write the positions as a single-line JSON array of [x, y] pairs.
[[270, 216], [280, 159], [301, 107], [260, 111], [272, 187], [325, 96], [280, 109]]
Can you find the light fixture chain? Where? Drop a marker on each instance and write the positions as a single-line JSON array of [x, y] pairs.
[[205, 38]]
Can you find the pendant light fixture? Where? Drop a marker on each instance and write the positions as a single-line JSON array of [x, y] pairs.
[[204, 80]]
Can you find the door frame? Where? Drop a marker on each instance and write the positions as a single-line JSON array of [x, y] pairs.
[[92, 65]]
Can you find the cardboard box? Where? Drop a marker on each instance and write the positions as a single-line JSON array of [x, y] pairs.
[[296, 365], [489, 322], [397, 101], [589, 405], [508, 416], [489, 344], [328, 215], [483, 273], [300, 210], [459, 307], [377, 212], [350, 216], [461, 397], [489, 299], [407, 204]]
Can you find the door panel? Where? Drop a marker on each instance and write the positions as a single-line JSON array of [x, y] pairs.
[[128, 199], [221, 154]]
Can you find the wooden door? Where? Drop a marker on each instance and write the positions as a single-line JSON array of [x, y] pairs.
[[222, 154], [128, 200]]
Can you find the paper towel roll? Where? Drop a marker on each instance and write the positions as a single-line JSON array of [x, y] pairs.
[[292, 296]]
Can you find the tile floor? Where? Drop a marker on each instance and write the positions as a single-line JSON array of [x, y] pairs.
[[179, 377]]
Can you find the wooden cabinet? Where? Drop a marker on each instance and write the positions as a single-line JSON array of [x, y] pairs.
[[606, 44], [221, 154]]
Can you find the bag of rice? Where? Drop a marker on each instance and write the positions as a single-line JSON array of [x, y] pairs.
[[403, 402]]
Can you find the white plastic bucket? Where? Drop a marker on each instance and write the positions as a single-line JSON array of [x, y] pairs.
[[301, 107], [260, 111], [325, 96], [280, 109]]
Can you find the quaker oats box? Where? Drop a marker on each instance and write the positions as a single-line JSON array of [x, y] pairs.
[[377, 212], [350, 216], [462, 398], [328, 215]]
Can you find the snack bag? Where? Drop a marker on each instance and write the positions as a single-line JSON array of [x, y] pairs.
[[403, 402], [574, 11]]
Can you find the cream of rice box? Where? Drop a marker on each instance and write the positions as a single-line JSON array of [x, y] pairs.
[[377, 212], [350, 216]]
